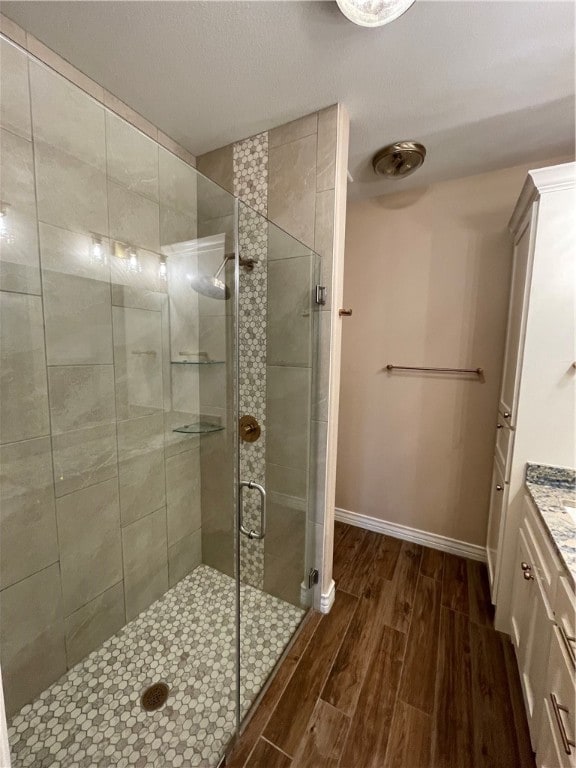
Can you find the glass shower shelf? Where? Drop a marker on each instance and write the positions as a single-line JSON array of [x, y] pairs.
[[197, 362], [199, 428]]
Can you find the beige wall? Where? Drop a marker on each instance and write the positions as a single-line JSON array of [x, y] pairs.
[[427, 274]]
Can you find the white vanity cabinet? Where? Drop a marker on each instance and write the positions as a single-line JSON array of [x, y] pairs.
[[538, 388], [543, 614], [557, 738], [532, 620]]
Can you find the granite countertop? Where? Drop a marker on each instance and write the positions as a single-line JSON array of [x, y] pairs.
[[550, 488]]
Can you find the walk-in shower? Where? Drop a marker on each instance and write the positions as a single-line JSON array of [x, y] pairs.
[[158, 344]]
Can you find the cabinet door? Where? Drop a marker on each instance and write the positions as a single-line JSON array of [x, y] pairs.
[[550, 753], [504, 445], [516, 323], [522, 589], [498, 501], [559, 710], [531, 631]]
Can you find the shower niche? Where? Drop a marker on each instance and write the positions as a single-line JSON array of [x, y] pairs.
[[144, 311]]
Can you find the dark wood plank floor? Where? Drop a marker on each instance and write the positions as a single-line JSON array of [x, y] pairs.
[[406, 671]]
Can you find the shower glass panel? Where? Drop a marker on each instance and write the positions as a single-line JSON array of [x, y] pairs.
[[277, 350], [117, 426], [143, 311]]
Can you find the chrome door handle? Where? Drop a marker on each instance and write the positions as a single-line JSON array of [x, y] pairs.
[[558, 708], [252, 534]]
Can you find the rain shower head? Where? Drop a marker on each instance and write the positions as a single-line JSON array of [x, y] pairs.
[[211, 285]]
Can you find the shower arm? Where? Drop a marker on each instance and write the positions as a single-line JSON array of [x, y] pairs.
[[248, 264]]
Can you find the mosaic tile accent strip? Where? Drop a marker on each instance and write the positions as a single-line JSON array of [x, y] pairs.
[[250, 163], [92, 717], [251, 186]]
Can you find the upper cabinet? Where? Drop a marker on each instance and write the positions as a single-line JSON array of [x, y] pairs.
[[519, 292], [537, 408]]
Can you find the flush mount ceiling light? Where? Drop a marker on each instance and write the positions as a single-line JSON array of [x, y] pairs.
[[398, 160], [373, 13]]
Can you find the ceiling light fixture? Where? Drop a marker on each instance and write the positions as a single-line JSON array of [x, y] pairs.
[[398, 160], [373, 13]]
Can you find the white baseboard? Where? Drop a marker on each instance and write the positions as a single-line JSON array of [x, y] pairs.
[[327, 598], [433, 540]]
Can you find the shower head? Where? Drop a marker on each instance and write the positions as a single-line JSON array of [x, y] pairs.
[[210, 286]]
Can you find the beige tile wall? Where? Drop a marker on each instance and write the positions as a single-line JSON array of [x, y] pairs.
[[100, 498], [301, 181]]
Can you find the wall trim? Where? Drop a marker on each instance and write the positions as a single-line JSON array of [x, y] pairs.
[[554, 178], [406, 533], [327, 598]]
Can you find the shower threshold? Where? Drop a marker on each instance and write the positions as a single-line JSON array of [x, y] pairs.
[[92, 717]]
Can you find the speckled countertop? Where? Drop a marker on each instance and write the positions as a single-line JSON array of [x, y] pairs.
[[550, 489]]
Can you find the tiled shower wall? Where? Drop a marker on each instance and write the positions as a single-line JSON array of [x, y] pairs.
[[100, 498], [289, 175]]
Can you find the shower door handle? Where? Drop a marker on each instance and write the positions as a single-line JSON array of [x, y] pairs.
[[252, 534]]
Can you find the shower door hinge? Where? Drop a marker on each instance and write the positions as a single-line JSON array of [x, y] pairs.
[[321, 295], [312, 577]]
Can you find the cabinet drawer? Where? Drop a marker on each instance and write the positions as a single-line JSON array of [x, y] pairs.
[[546, 562], [560, 695], [504, 443], [565, 616]]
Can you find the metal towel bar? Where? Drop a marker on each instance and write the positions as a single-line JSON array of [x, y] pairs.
[[477, 371]]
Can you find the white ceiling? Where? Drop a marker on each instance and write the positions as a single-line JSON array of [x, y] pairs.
[[482, 84]]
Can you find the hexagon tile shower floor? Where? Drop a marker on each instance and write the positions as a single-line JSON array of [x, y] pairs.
[[93, 717]]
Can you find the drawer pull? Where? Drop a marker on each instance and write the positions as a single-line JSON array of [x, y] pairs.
[[499, 426], [525, 566], [558, 708], [507, 414], [569, 642], [499, 487]]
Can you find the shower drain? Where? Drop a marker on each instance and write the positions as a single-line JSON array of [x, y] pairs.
[[154, 696]]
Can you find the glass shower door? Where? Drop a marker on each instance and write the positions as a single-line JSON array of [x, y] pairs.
[[276, 344]]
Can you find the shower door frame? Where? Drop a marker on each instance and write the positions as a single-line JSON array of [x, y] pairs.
[[309, 527]]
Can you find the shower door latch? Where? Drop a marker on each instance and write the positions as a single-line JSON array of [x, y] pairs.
[[312, 577], [321, 295]]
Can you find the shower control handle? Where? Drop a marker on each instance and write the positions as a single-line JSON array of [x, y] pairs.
[[251, 533]]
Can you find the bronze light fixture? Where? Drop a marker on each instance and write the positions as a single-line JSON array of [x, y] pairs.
[[398, 160]]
